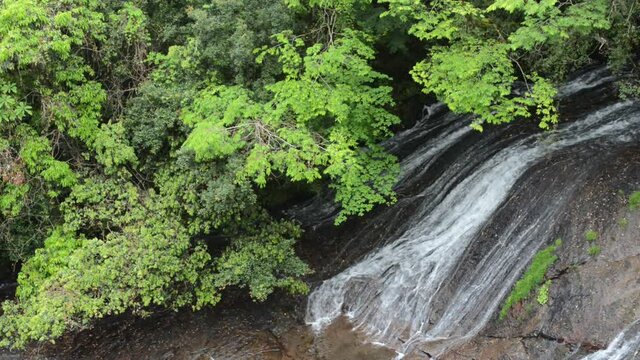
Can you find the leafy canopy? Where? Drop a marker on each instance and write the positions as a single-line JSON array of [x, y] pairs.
[[324, 118], [477, 69]]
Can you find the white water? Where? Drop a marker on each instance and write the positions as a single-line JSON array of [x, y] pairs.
[[626, 346], [585, 82], [428, 152], [393, 294]]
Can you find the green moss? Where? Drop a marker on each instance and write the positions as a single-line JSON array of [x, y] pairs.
[[623, 222], [594, 250], [591, 235], [543, 293], [532, 278], [634, 200]]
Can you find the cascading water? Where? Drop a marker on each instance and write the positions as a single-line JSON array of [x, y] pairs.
[[626, 346], [401, 294]]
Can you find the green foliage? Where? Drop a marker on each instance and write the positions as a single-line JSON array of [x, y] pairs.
[[472, 65], [11, 108], [622, 43], [543, 293], [120, 249], [24, 23], [532, 278], [227, 32], [634, 200], [604, 27], [440, 20], [323, 112], [591, 235], [93, 175], [262, 260], [623, 222], [111, 148], [48, 101], [151, 125], [545, 21], [10, 201], [629, 89], [594, 250], [207, 195], [484, 76], [36, 154], [149, 261], [343, 5]]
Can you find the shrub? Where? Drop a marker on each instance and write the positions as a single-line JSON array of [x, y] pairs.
[[634, 200], [591, 235], [594, 250], [623, 222]]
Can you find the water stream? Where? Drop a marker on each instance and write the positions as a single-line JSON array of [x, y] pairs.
[[403, 293], [626, 346]]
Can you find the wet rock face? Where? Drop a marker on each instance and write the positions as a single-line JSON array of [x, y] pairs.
[[592, 297], [206, 335]]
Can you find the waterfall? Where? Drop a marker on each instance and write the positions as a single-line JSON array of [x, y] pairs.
[[402, 293], [626, 346]]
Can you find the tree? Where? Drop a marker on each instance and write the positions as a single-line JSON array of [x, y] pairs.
[[325, 117], [476, 69]]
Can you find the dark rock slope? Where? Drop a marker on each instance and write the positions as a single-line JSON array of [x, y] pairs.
[[592, 297]]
